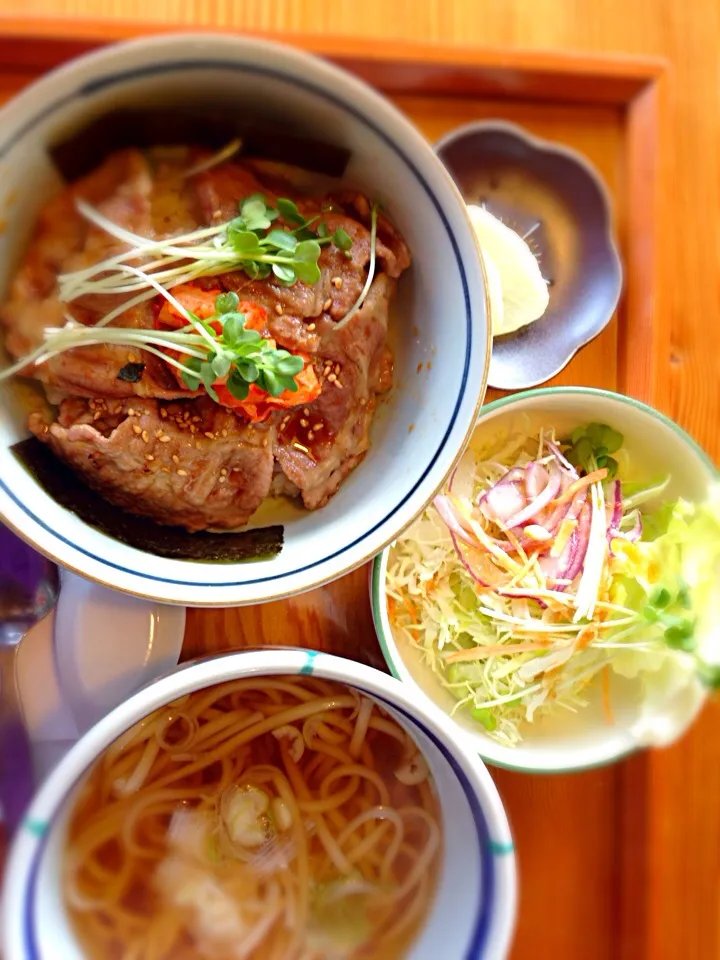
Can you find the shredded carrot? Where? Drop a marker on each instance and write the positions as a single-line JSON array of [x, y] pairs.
[[577, 485], [585, 637], [480, 653], [607, 706], [432, 584], [392, 609], [407, 603]]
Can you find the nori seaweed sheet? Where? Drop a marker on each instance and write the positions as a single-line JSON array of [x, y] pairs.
[[85, 150], [173, 543]]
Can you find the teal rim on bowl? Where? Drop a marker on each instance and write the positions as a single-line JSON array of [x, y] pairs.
[[692, 473], [477, 882]]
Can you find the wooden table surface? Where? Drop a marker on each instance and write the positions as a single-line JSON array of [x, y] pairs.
[[667, 905]]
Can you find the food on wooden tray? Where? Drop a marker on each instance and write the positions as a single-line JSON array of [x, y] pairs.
[[208, 335], [546, 564], [258, 818], [516, 288]]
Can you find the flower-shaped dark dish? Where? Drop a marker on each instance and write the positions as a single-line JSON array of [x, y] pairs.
[[556, 200]]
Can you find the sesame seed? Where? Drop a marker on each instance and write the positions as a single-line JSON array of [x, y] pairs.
[[186, 415], [222, 479], [311, 326], [332, 377], [149, 456], [303, 422], [306, 411], [327, 370], [278, 309], [337, 368], [165, 469], [209, 435], [317, 426], [224, 433], [265, 441], [158, 434], [176, 458], [216, 214], [182, 473], [327, 304], [196, 419], [131, 412], [145, 436], [137, 429], [165, 439], [193, 428], [96, 415], [223, 471], [363, 401], [338, 385], [163, 413], [132, 358], [337, 282], [311, 435], [118, 408]]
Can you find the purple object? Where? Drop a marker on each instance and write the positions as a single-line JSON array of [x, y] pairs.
[[28, 591]]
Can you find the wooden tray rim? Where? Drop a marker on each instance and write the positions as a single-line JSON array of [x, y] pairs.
[[640, 88]]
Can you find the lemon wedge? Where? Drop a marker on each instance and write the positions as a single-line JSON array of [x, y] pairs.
[[517, 291]]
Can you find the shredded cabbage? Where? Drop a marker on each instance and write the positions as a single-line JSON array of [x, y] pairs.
[[483, 598]]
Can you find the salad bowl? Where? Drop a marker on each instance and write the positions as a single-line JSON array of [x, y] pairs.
[[645, 694]]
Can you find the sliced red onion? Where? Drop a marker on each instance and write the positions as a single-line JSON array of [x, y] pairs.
[[476, 575], [582, 540], [522, 595], [633, 534], [562, 570], [617, 504], [561, 458], [617, 517], [532, 509], [570, 510], [536, 479], [465, 563], [451, 520], [502, 500]]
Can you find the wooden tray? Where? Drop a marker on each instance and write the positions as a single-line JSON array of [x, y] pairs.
[[587, 842]]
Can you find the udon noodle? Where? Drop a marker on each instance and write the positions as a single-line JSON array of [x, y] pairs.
[[260, 819]]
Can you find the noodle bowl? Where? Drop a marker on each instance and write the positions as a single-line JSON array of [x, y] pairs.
[[271, 818], [273, 803]]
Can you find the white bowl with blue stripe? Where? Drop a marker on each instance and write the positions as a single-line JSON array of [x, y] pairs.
[[441, 314], [472, 914]]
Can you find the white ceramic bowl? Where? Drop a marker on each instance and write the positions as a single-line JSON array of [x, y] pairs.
[[573, 741], [441, 311], [472, 914]]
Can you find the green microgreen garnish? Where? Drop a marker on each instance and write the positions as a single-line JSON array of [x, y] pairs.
[[591, 448], [253, 242], [242, 356], [235, 352]]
